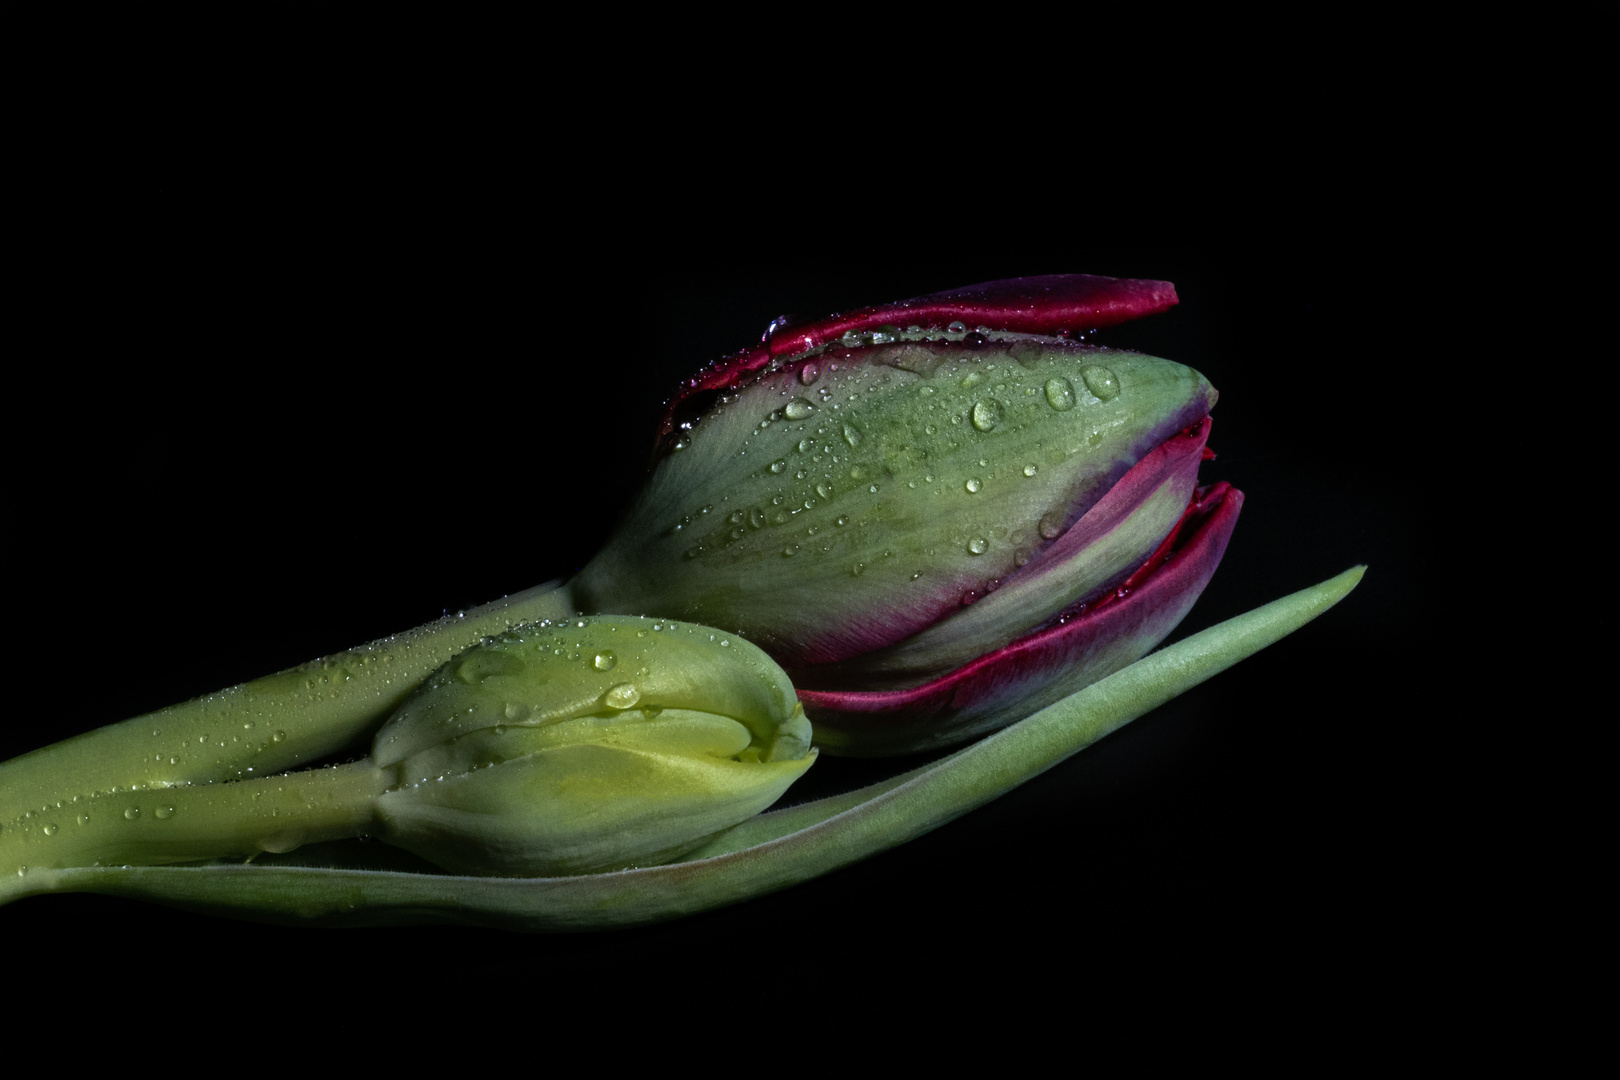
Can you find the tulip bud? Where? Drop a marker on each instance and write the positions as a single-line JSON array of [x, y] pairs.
[[890, 507], [588, 745]]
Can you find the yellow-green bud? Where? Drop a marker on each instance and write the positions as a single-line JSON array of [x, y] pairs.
[[588, 745]]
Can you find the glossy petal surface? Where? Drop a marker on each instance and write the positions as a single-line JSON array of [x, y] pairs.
[[1037, 670]]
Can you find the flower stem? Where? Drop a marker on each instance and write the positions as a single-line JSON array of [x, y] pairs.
[[192, 822], [800, 844], [259, 728]]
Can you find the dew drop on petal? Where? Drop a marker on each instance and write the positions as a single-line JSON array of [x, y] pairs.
[[622, 696], [1050, 526], [1102, 382], [1060, 394], [978, 546], [973, 486], [798, 409], [986, 415], [604, 661], [1030, 469], [778, 465]]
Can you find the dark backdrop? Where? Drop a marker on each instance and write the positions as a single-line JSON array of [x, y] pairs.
[[329, 328]]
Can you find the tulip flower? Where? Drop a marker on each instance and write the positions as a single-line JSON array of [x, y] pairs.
[[937, 530], [941, 518], [555, 748]]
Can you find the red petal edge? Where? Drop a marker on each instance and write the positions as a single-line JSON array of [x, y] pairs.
[[1050, 304], [957, 706]]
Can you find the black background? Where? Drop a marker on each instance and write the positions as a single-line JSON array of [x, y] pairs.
[[329, 326]]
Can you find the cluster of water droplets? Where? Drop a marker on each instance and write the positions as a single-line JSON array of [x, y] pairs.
[[830, 447]]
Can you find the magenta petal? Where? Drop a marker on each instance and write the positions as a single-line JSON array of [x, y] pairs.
[[1035, 671], [1029, 305], [1050, 304]]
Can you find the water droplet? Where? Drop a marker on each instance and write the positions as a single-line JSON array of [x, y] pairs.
[[805, 444], [132, 813], [873, 489], [798, 409], [756, 518], [857, 472], [48, 830], [1060, 394], [736, 517], [1102, 382], [691, 553], [1021, 557], [809, 374], [855, 571], [622, 696], [957, 327], [790, 551], [973, 486], [884, 334], [83, 819], [843, 519], [824, 489], [1050, 526], [986, 415], [972, 378], [978, 546], [778, 465], [163, 813], [604, 661], [850, 338], [1030, 469]]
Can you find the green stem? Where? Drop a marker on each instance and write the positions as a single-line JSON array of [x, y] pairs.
[[919, 803], [259, 728], [192, 822]]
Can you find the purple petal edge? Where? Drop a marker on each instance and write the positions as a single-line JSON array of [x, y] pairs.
[[1049, 304], [1035, 671]]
